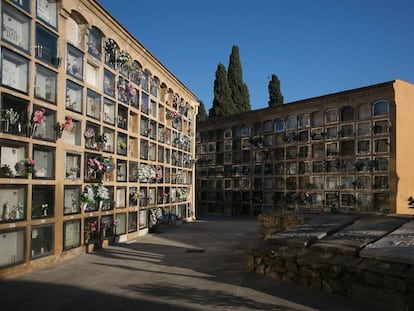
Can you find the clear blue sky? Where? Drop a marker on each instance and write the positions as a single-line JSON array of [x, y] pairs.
[[315, 47]]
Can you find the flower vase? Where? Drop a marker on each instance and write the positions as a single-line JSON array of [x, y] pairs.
[[33, 131], [45, 212], [6, 126], [100, 205]]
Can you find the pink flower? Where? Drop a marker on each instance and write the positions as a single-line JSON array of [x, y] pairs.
[[68, 122], [38, 115]]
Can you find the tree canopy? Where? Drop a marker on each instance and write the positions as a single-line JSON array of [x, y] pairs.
[[275, 95], [239, 91], [222, 103]]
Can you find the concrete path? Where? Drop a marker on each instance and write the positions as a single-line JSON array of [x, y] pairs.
[[195, 266]]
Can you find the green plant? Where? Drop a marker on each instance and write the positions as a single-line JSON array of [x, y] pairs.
[[5, 171]]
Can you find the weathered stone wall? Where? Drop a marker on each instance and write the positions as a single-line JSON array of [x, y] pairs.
[[384, 285], [273, 223]]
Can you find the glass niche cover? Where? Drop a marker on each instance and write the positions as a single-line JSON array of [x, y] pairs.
[[43, 122], [43, 201], [15, 28], [14, 71], [44, 162], [13, 159], [74, 62], [46, 10], [45, 84], [13, 202]]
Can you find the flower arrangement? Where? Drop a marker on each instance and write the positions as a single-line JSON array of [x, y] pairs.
[[10, 115], [172, 114], [102, 193], [39, 116], [64, 126], [90, 133], [122, 145], [97, 164], [110, 48], [124, 58], [158, 173], [146, 172], [181, 193], [90, 229], [29, 165], [88, 195]]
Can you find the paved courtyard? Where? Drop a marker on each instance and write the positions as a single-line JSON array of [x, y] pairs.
[[195, 266]]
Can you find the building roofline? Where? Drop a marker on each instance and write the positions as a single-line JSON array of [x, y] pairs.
[[143, 47], [301, 102]]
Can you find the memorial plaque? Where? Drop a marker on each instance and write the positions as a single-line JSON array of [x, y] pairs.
[[353, 238], [318, 227], [398, 246]]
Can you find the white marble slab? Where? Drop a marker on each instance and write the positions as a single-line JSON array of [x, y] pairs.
[[398, 246]]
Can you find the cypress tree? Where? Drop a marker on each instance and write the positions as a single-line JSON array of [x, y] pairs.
[[202, 114], [275, 95], [222, 103], [239, 90]]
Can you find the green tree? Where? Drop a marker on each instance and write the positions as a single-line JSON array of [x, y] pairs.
[[202, 114], [239, 90], [275, 96], [222, 103]]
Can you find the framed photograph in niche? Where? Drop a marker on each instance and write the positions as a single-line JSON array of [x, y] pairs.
[[46, 10], [122, 144], [144, 103], [43, 123], [121, 224], [109, 83], [73, 134], [122, 117], [143, 219], [120, 198], [72, 166], [15, 28], [109, 111], [133, 196], [44, 165], [14, 71], [45, 84], [144, 126], [24, 4], [153, 109], [152, 129], [133, 171], [13, 159], [43, 201], [107, 226], [95, 42], [74, 96], [121, 170], [41, 243], [108, 140], [132, 221], [71, 234], [152, 151], [93, 105], [74, 60], [46, 46], [13, 202], [71, 199]]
